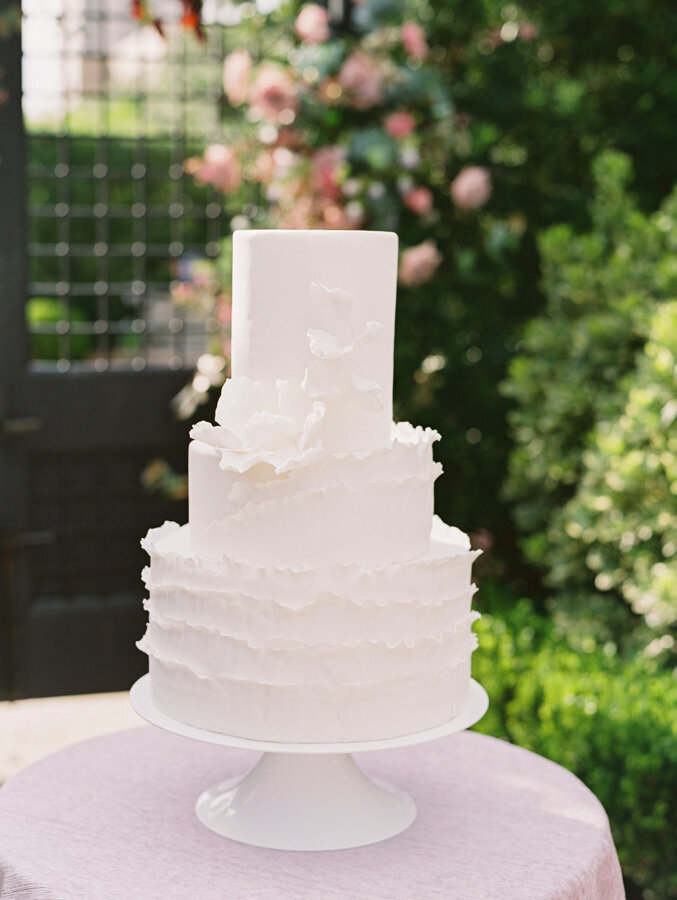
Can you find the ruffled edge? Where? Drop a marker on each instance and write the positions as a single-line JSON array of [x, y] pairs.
[[319, 598], [463, 625], [153, 539], [441, 672], [290, 458]]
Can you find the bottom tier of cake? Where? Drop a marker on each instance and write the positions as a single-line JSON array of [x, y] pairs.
[[308, 713], [309, 654]]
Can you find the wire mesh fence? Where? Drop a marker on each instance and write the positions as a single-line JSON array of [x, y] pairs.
[[111, 113]]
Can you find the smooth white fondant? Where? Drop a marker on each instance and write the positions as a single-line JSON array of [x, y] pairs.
[[328, 405], [289, 283]]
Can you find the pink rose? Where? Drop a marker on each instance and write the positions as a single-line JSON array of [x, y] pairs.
[[418, 264], [400, 124], [327, 164], [471, 188], [419, 200], [273, 92], [312, 24], [219, 167], [237, 68], [413, 40], [361, 77]]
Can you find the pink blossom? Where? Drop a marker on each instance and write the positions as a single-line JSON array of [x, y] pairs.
[[361, 77], [418, 264], [327, 164], [312, 24], [336, 217], [471, 188], [413, 40], [272, 164], [400, 124], [299, 214], [273, 92], [237, 68], [419, 200], [224, 309], [220, 167], [263, 168]]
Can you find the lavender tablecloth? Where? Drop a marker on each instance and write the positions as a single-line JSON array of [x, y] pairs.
[[112, 819]]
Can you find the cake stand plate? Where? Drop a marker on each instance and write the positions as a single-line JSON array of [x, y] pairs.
[[306, 796]]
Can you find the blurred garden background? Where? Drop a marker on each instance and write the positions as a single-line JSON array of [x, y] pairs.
[[526, 155]]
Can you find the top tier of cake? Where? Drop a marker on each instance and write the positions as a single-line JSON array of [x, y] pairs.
[[317, 309]]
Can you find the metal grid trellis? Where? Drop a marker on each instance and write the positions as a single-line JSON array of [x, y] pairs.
[[112, 111]]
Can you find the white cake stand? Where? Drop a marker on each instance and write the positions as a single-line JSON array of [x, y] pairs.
[[306, 796]]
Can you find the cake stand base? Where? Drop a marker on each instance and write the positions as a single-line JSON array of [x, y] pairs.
[[306, 796], [303, 801]]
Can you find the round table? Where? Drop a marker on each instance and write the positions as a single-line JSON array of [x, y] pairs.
[[114, 818]]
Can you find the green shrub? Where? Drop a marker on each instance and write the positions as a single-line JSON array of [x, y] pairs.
[[573, 398], [610, 722], [621, 525]]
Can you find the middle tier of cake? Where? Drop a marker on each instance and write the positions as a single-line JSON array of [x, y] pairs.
[[320, 507]]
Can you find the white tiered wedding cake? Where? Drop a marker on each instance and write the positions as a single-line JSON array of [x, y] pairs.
[[312, 596]]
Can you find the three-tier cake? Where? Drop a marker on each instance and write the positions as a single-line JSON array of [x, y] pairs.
[[313, 596]]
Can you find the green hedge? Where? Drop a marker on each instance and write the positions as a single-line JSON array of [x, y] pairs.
[[592, 475], [609, 721]]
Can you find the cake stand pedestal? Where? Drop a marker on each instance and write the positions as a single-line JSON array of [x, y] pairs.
[[306, 796]]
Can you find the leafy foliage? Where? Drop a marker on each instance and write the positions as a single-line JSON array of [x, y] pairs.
[[621, 525], [611, 722], [592, 473]]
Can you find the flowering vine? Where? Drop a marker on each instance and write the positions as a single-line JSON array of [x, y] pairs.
[[330, 128]]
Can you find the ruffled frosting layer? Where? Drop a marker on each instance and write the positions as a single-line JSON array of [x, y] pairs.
[[370, 507], [324, 652], [442, 573], [329, 618], [209, 653], [310, 713]]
